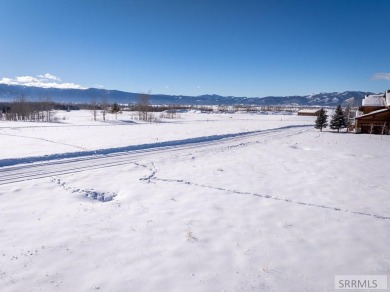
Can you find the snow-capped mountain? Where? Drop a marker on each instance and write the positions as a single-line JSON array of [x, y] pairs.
[[10, 92]]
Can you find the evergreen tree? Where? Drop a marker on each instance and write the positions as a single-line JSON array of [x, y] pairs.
[[115, 108], [338, 120], [322, 120]]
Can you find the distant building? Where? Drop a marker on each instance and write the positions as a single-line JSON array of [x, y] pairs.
[[373, 117], [308, 112]]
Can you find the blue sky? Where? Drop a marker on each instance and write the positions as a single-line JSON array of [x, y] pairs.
[[241, 48]]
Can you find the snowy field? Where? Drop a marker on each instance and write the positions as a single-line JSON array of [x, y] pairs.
[[204, 202]]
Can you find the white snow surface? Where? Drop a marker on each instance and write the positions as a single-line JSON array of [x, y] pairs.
[[274, 205], [374, 100]]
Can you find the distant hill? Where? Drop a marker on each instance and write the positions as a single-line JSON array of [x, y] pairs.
[[10, 92]]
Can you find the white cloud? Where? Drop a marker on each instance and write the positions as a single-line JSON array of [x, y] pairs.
[[26, 80], [49, 76], [46, 81], [381, 76], [6, 80]]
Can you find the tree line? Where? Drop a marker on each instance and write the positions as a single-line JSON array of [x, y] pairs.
[[23, 110], [340, 119]]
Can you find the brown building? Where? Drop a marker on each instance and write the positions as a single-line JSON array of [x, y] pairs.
[[308, 112], [374, 114]]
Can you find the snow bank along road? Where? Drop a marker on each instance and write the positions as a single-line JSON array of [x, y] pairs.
[[29, 168]]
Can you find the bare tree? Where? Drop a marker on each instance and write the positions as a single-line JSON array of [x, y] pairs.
[[20, 108], [143, 106], [104, 107], [94, 108], [47, 106], [350, 107]]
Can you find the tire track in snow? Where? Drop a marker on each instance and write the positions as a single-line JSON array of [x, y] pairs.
[[148, 146], [45, 140], [153, 177], [18, 172], [15, 177], [270, 197], [237, 144]]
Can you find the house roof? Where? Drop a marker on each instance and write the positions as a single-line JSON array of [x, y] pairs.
[[374, 113], [374, 100], [309, 111]]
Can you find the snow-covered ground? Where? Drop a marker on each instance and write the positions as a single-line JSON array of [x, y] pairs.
[[273, 205], [76, 131]]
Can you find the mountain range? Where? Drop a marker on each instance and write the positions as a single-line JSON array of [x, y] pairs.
[[11, 92]]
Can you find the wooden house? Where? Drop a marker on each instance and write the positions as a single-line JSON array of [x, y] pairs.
[[373, 116], [308, 112]]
